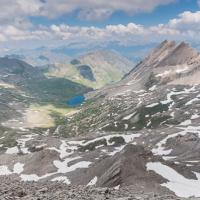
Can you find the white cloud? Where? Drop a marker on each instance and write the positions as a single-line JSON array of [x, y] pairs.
[[186, 20], [18, 9], [86, 9], [95, 14], [2, 38], [92, 9], [130, 28], [185, 27], [162, 29]]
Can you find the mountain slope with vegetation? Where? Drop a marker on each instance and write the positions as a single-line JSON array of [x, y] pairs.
[[95, 69]]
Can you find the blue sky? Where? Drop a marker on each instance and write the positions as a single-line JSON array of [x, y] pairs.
[[76, 26], [161, 14]]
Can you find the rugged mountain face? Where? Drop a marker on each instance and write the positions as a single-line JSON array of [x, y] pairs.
[[141, 133], [169, 63], [15, 71], [94, 69]]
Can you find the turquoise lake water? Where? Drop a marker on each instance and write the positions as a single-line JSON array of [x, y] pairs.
[[76, 100]]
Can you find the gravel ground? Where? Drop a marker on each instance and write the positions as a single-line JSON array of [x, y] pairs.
[[11, 189]]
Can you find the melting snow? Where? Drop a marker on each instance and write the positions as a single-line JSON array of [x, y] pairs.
[[18, 168], [186, 123], [153, 88], [160, 150], [195, 116], [12, 150], [164, 73], [191, 101], [126, 126], [129, 116], [63, 179], [152, 105], [93, 181], [169, 95], [63, 167], [117, 149], [181, 70], [177, 183], [4, 171], [34, 177]]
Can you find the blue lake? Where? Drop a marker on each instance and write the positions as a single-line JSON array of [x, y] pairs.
[[76, 100]]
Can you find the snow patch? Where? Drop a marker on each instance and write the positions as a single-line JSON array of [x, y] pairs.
[[177, 183], [93, 181], [63, 179]]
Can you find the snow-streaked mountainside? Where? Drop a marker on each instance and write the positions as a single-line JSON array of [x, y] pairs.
[[101, 68], [169, 63], [139, 135]]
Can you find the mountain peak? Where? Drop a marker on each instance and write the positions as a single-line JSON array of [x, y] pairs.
[[181, 54], [169, 63], [171, 53], [166, 43]]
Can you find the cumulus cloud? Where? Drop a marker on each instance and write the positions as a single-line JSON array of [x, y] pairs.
[[91, 9], [15, 24], [85, 9], [18, 9], [184, 27], [186, 20], [95, 14], [130, 28]]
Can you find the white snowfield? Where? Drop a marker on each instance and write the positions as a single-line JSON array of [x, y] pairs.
[[93, 181], [17, 169], [160, 146], [177, 183], [152, 105], [63, 179], [129, 116]]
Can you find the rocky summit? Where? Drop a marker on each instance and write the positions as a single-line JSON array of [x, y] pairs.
[[138, 138]]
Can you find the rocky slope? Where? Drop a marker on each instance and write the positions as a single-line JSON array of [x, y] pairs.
[[169, 63], [13, 189], [140, 135]]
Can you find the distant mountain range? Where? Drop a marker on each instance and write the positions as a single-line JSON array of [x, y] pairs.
[[18, 74], [95, 69]]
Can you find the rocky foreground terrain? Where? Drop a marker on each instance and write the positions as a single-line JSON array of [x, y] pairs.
[[14, 189], [137, 139]]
